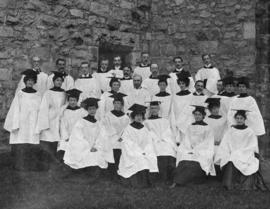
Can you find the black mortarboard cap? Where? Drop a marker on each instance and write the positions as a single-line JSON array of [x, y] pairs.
[[154, 103], [213, 101], [90, 102], [241, 112], [118, 97], [30, 73], [199, 108], [243, 80], [57, 74], [137, 108], [75, 93]]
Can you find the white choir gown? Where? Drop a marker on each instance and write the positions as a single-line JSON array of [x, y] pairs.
[[66, 85], [143, 71], [165, 105]]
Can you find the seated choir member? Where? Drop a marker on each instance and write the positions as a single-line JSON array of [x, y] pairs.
[[164, 97], [106, 100], [246, 102], [181, 114], [48, 124], [87, 83], [195, 153], [237, 156], [138, 157], [87, 146], [215, 120], [198, 96], [70, 115], [115, 122], [164, 142], [21, 123], [126, 81]]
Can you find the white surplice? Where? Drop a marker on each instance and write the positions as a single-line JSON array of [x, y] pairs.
[[142, 71], [66, 85], [103, 80], [139, 96], [165, 105]]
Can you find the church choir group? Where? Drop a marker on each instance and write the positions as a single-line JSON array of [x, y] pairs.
[[140, 126]]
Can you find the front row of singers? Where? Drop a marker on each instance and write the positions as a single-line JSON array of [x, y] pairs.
[[140, 151]]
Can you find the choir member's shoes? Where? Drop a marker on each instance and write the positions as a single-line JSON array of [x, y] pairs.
[[172, 186]]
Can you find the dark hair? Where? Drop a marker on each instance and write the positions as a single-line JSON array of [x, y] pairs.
[[240, 113], [163, 81], [55, 77], [185, 80], [113, 80], [200, 111], [26, 78], [133, 114], [119, 100], [60, 59], [178, 57], [203, 55], [199, 81]]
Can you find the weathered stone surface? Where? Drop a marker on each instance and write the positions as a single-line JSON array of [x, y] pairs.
[[5, 74], [249, 30], [101, 9], [6, 31], [76, 13]]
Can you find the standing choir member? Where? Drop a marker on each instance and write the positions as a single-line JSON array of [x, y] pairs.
[[106, 100], [41, 84], [117, 70], [198, 96], [137, 94], [102, 75], [195, 154], [209, 75], [164, 143], [68, 82], [71, 114], [21, 123], [87, 146], [87, 83], [151, 83], [48, 124], [144, 68], [179, 68], [115, 122], [181, 114], [126, 81], [164, 97], [246, 102], [237, 156], [215, 120], [138, 157]]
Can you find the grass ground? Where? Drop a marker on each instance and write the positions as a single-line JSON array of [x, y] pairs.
[[47, 190]]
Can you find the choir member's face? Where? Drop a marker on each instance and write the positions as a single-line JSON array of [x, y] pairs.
[[104, 64], [127, 72], [29, 83], [215, 110], [242, 88], [198, 116], [84, 69], [72, 101], [138, 118], [58, 82], [154, 70], [154, 110], [199, 87], [117, 61], [182, 85], [162, 86], [92, 110], [178, 63], [145, 58], [115, 86], [220, 86], [117, 105], [137, 81], [206, 60], [61, 66], [240, 120], [229, 88]]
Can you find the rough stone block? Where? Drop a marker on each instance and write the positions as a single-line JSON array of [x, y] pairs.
[[76, 13], [208, 46], [249, 30], [179, 2], [5, 74], [101, 9], [6, 31]]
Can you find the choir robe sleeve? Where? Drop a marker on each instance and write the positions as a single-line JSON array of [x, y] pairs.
[[213, 77], [12, 118], [64, 132], [43, 115], [102, 105], [240, 149], [21, 85]]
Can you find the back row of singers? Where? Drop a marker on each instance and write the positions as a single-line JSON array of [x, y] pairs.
[[92, 141]]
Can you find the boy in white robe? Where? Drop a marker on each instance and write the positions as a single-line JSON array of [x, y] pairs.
[[164, 97], [138, 155], [246, 102], [126, 81], [87, 147], [144, 68], [181, 114], [68, 82], [179, 68], [196, 153], [164, 143], [237, 156], [41, 84], [106, 100], [86, 83], [115, 122], [209, 74], [71, 114], [48, 124], [21, 123]]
